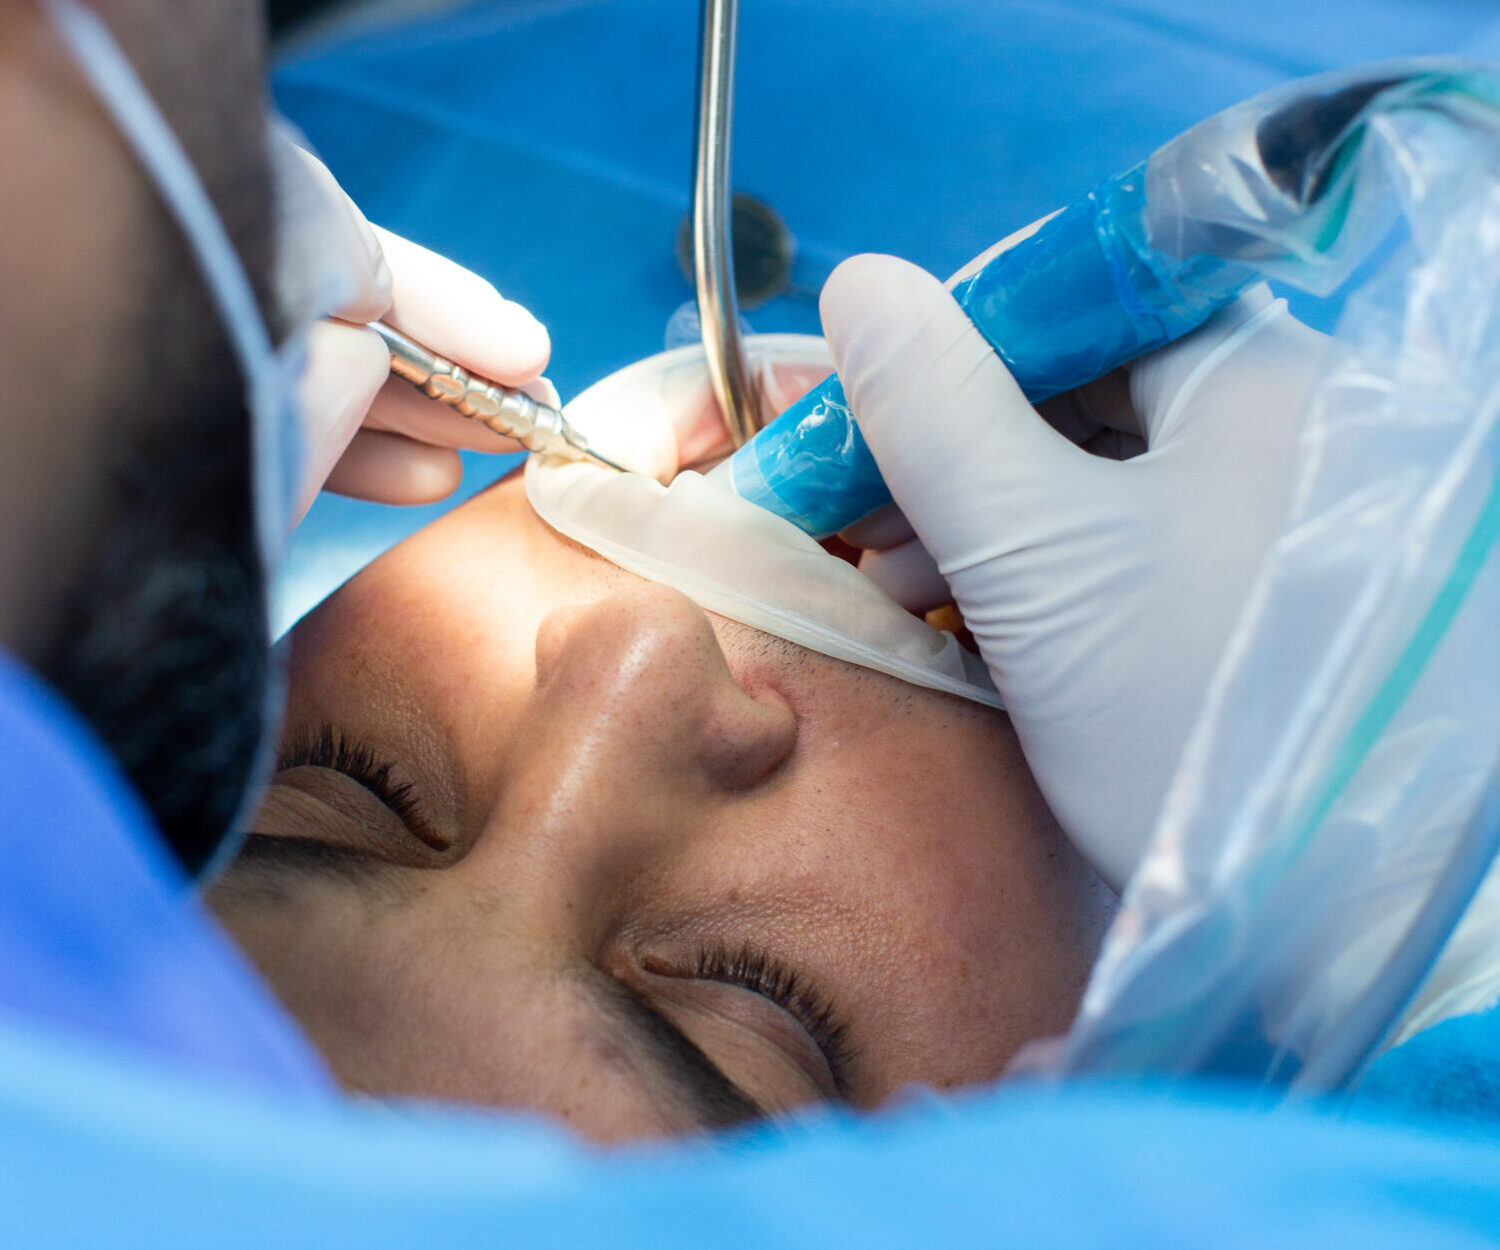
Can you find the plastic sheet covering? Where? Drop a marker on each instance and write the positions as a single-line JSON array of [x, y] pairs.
[[1339, 800], [725, 554], [1264, 189]]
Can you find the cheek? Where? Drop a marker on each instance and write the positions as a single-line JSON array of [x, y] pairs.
[[957, 853], [368, 979], [442, 997], [314, 943], [954, 896], [944, 829]]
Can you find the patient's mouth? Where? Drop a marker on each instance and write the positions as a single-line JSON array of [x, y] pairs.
[[950, 620], [836, 546]]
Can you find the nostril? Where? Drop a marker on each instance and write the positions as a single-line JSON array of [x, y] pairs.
[[745, 740], [552, 638], [639, 677]]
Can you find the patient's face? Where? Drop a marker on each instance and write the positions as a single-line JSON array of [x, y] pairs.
[[546, 836]]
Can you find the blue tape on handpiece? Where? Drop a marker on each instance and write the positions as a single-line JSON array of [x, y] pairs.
[[1083, 294]]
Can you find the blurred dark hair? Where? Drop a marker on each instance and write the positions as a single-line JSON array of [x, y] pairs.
[[284, 13], [164, 647]]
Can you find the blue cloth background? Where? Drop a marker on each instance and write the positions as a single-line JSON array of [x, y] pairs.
[[545, 143], [101, 935], [548, 145], [94, 1152]]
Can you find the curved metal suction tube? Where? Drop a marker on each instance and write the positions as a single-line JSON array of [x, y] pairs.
[[713, 257]]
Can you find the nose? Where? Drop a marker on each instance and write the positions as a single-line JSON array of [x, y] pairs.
[[635, 693], [638, 745]]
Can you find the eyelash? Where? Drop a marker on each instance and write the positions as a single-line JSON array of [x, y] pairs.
[[760, 973], [328, 748]]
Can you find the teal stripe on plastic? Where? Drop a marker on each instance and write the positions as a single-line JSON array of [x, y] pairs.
[[1409, 666]]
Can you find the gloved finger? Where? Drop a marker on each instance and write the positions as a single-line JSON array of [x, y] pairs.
[[909, 574], [888, 527], [461, 316], [330, 263], [885, 527], [948, 426], [346, 366], [387, 468], [401, 408]]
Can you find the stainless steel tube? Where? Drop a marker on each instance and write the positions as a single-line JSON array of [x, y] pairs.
[[713, 256]]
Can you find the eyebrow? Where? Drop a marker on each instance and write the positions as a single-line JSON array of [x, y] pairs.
[[711, 1097]]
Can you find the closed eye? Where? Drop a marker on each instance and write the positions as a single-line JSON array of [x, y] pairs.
[[328, 748], [760, 973]]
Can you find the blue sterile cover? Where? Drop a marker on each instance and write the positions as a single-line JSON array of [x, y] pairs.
[[101, 935], [97, 1152]]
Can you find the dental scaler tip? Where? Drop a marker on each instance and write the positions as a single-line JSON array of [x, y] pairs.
[[507, 410]]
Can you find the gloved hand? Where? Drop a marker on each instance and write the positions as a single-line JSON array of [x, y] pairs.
[[368, 434], [1101, 593]]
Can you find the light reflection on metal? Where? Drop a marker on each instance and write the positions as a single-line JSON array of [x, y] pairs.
[[713, 258]]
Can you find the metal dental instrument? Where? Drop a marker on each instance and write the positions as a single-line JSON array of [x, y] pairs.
[[713, 258], [536, 426]]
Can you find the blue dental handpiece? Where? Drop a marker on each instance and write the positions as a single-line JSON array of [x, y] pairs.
[[1271, 188], [1079, 296]]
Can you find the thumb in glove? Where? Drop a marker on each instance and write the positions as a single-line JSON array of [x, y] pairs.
[[1100, 593]]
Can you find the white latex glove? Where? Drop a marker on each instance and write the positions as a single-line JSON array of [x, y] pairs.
[[1101, 592], [377, 437]]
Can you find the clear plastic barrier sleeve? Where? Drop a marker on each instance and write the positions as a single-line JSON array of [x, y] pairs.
[[1337, 807]]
